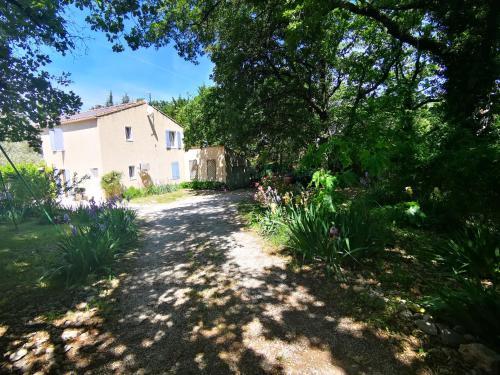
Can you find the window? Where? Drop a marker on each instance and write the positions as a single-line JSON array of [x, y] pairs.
[[175, 170], [211, 170], [170, 139], [173, 139], [56, 139], [94, 172], [128, 133], [131, 172], [193, 169]]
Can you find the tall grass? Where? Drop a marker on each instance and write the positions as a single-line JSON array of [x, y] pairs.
[[90, 248]]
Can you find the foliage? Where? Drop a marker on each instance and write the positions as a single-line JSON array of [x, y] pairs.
[[31, 98], [83, 253], [403, 214], [111, 184], [474, 252], [324, 185], [472, 305], [203, 185], [133, 192], [172, 107], [125, 99], [109, 100], [161, 189], [92, 245], [354, 87], [19, 153], [45, 188]]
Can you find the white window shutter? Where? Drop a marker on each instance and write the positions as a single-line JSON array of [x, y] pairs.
[[59, 140], [52, 139]]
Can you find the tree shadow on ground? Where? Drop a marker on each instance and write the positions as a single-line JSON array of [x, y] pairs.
[[202, 297]]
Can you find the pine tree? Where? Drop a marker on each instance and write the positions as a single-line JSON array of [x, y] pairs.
[[109, 102], [125, 99]]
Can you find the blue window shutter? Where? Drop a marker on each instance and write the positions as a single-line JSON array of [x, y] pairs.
[[175, 170], [167, 139], [179, 140]]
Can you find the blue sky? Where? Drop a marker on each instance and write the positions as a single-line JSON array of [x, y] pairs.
[[95, 69]]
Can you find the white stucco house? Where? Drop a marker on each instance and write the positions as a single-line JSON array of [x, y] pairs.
[[130, 138]]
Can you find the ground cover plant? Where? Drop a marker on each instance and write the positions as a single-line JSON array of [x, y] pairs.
[[134, 192], [453, 275]]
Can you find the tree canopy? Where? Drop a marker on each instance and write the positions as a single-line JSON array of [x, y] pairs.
[[29, 94]]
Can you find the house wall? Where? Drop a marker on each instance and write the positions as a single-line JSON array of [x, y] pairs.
[[148, 145], [82, 151], [202, 156]]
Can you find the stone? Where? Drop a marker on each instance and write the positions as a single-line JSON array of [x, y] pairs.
[[481, 357], [69, 334], [451, 338], [16, 356], [358, 288], [406, 314], [426, 327]]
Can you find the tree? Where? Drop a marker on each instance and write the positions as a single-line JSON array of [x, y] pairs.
[[461, 36], [171, 107], [29, 94], [403, 89], [125, 99], [109, 101]]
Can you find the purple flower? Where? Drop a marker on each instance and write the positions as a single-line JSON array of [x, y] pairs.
[[66, 218], [74, 231], [333, 233]]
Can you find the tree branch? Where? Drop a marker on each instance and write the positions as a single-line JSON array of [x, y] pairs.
[[393, 28]]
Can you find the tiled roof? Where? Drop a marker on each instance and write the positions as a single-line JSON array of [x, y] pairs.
[[98, 112]]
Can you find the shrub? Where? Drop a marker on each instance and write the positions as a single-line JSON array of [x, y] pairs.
[[404, 214], [475, 251], [472, 305], [309, 229], [84, 252], [161, 189], [110, 183], [103, 230], [315, 232], [133, 192], [203, 185]]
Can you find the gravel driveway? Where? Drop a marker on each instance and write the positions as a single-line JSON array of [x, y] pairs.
[[205, 295]]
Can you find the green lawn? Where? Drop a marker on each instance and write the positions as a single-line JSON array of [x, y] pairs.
[[162, 198], [24, 255]]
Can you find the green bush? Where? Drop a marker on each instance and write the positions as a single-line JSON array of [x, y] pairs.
[[472, 305], [84, 252], [102, 232], [309, 229], [203, 185], [161, 189], [133, 192], [403, 214], [111, 184], [337, 238], [475, 252]]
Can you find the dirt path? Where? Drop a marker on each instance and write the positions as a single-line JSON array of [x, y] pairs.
[[204, 296]]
